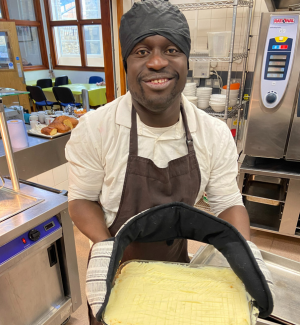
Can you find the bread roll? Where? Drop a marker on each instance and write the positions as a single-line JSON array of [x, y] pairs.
[[49, 130], [68, 123], [61, 128], [63, 118]]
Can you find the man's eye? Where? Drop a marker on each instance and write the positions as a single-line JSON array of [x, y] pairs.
[[171, 51], [142, 52]]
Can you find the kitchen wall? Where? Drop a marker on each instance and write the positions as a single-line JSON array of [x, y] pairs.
[[216, 20]]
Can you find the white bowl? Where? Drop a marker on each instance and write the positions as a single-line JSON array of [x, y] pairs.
[[191, 98], [217, 108], [219, 96], [203, 93], [203, 106], [232, 102], [204, 98], [232, 91], [204, 88], [218, 102]]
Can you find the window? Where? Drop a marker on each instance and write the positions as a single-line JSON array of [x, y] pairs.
[[28, 19], [21, 10], [76, 34]]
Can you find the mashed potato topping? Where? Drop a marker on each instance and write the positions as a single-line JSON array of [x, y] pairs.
[[158, 293]]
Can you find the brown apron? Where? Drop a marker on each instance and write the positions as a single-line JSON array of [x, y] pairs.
[[146, 186]]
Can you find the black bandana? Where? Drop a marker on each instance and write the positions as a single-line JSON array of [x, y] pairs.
[[154, 17]]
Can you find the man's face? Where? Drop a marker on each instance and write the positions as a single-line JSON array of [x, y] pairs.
[[156, 73]]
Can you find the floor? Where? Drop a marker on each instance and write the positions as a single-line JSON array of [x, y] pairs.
[[285, 246]]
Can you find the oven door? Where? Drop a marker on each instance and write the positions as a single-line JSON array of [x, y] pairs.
[[31, 284], [293, 149]]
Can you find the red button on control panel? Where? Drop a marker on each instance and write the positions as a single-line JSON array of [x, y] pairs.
[[24, 241]]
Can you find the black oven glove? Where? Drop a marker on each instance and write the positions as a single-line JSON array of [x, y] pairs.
[[168, 222]]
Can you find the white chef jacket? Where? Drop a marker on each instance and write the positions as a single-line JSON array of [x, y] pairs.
[[99, 146]]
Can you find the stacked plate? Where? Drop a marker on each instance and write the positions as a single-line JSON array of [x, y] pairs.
[[190, 89], [217, 102], [233, 96], [203, 95], [192, 99]]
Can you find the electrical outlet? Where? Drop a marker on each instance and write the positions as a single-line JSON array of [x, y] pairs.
[[208, 82], [216, 83]]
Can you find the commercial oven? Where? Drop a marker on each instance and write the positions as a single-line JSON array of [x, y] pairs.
[[273, 127], [270, 173]]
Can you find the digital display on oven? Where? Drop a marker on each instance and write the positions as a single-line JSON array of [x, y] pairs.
[[274, 75], [277, 57], [282, 63], [274, 69]]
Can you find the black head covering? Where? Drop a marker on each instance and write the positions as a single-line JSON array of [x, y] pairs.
[[154, 17]]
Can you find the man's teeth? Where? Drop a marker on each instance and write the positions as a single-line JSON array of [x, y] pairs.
[[159, 81]]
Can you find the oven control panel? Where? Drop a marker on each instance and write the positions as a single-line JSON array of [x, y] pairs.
[[278, 58], [28, 239]]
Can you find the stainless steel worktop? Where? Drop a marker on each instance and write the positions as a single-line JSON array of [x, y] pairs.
[[18, 224], [271, 167], [41, 155]]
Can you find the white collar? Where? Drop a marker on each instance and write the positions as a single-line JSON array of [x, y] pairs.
[[123, 113]]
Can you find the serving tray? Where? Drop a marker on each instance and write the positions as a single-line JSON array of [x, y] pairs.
[[286, 277]]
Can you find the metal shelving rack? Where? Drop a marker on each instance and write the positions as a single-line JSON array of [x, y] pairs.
[[236, 110]]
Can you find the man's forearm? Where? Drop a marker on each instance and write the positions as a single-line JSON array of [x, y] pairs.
[[238, 217], [89, 218]]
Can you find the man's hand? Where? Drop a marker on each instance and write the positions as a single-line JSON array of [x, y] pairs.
[[238, 217], [89, 218]]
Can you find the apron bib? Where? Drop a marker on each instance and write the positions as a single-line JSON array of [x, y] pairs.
[[146, 186]]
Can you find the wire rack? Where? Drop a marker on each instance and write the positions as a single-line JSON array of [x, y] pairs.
[[231, 112], [236, 56], [213, 5]]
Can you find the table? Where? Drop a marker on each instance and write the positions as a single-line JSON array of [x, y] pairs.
[[33, 82], [97, 94]]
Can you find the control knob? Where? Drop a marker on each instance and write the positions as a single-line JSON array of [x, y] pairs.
[[271, 98], [34, 235]]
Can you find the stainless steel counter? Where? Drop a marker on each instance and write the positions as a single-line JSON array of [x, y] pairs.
[[15, 226], [46, 260], [41, 155]]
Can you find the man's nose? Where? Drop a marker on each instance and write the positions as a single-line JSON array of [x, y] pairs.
[[156, 62]]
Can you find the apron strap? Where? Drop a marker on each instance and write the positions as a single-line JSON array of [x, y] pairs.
[[133, 144], [189, 139]]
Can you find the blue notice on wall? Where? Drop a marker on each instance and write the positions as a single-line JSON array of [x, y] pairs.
[[10, 65], [17, 58]]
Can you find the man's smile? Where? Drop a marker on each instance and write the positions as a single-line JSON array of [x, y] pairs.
[[158, 84]]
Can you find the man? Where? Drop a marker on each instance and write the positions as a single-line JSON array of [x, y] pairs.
[[151, 146]]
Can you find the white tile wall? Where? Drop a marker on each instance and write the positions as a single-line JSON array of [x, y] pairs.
[[60, 174], [62, 186], [56, 178], [216, 20], [46, 178]]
